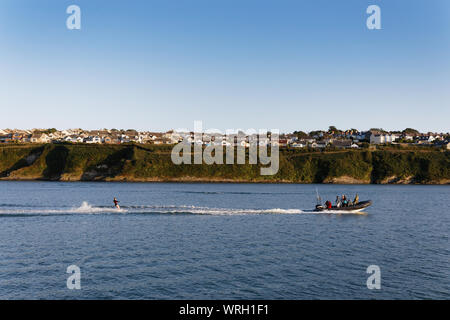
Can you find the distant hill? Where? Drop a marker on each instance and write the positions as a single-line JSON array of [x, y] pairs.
[[61, 162]]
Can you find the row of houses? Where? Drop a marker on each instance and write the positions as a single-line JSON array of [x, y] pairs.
[[80, 136], [170, 137], [422, 139], [284, 140], [376, 136], [350, 139]]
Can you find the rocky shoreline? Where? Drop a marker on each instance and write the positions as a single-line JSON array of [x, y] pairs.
[[338, 181]]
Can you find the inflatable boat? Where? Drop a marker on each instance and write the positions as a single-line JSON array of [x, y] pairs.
[[353, 208]]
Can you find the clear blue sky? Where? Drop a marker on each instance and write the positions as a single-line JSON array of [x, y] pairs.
[[288, 65]]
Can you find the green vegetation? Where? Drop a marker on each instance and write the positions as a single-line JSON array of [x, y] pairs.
[[48, 131], [411, 131], [75, 162], [333, 130], [301, 134]]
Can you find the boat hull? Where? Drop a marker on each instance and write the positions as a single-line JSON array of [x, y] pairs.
[[351, 209]]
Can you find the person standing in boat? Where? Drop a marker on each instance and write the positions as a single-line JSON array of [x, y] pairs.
[[338, 202], [355, 202]]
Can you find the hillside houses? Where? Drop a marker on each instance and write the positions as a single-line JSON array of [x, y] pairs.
[[349, 139], [299, 144], [382, 138], [318, 145], [6, 138], [425, 139], [39, 138], [73, 139]]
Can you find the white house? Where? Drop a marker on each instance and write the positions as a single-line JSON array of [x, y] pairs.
[[71, 139], [425, 139], [318, 145], [382, 138], [298, 145], [93, 139], [39, 138], [138, 138]]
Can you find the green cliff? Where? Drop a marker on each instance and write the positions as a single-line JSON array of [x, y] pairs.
[[81, 162]]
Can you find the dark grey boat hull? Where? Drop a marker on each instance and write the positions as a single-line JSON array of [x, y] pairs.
[[356, 208]]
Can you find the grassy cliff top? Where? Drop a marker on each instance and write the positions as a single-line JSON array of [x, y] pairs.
[[82, 162]]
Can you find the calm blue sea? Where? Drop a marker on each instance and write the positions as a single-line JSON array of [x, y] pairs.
[[221, 241]]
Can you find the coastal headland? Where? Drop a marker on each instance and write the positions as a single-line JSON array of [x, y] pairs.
[[152, 163]]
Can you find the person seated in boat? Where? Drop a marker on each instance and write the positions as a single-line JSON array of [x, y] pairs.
[[344, 201], [355, 202], [338, 202], [328, 204]]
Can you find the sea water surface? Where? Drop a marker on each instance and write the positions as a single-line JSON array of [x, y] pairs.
[[221, 241]]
